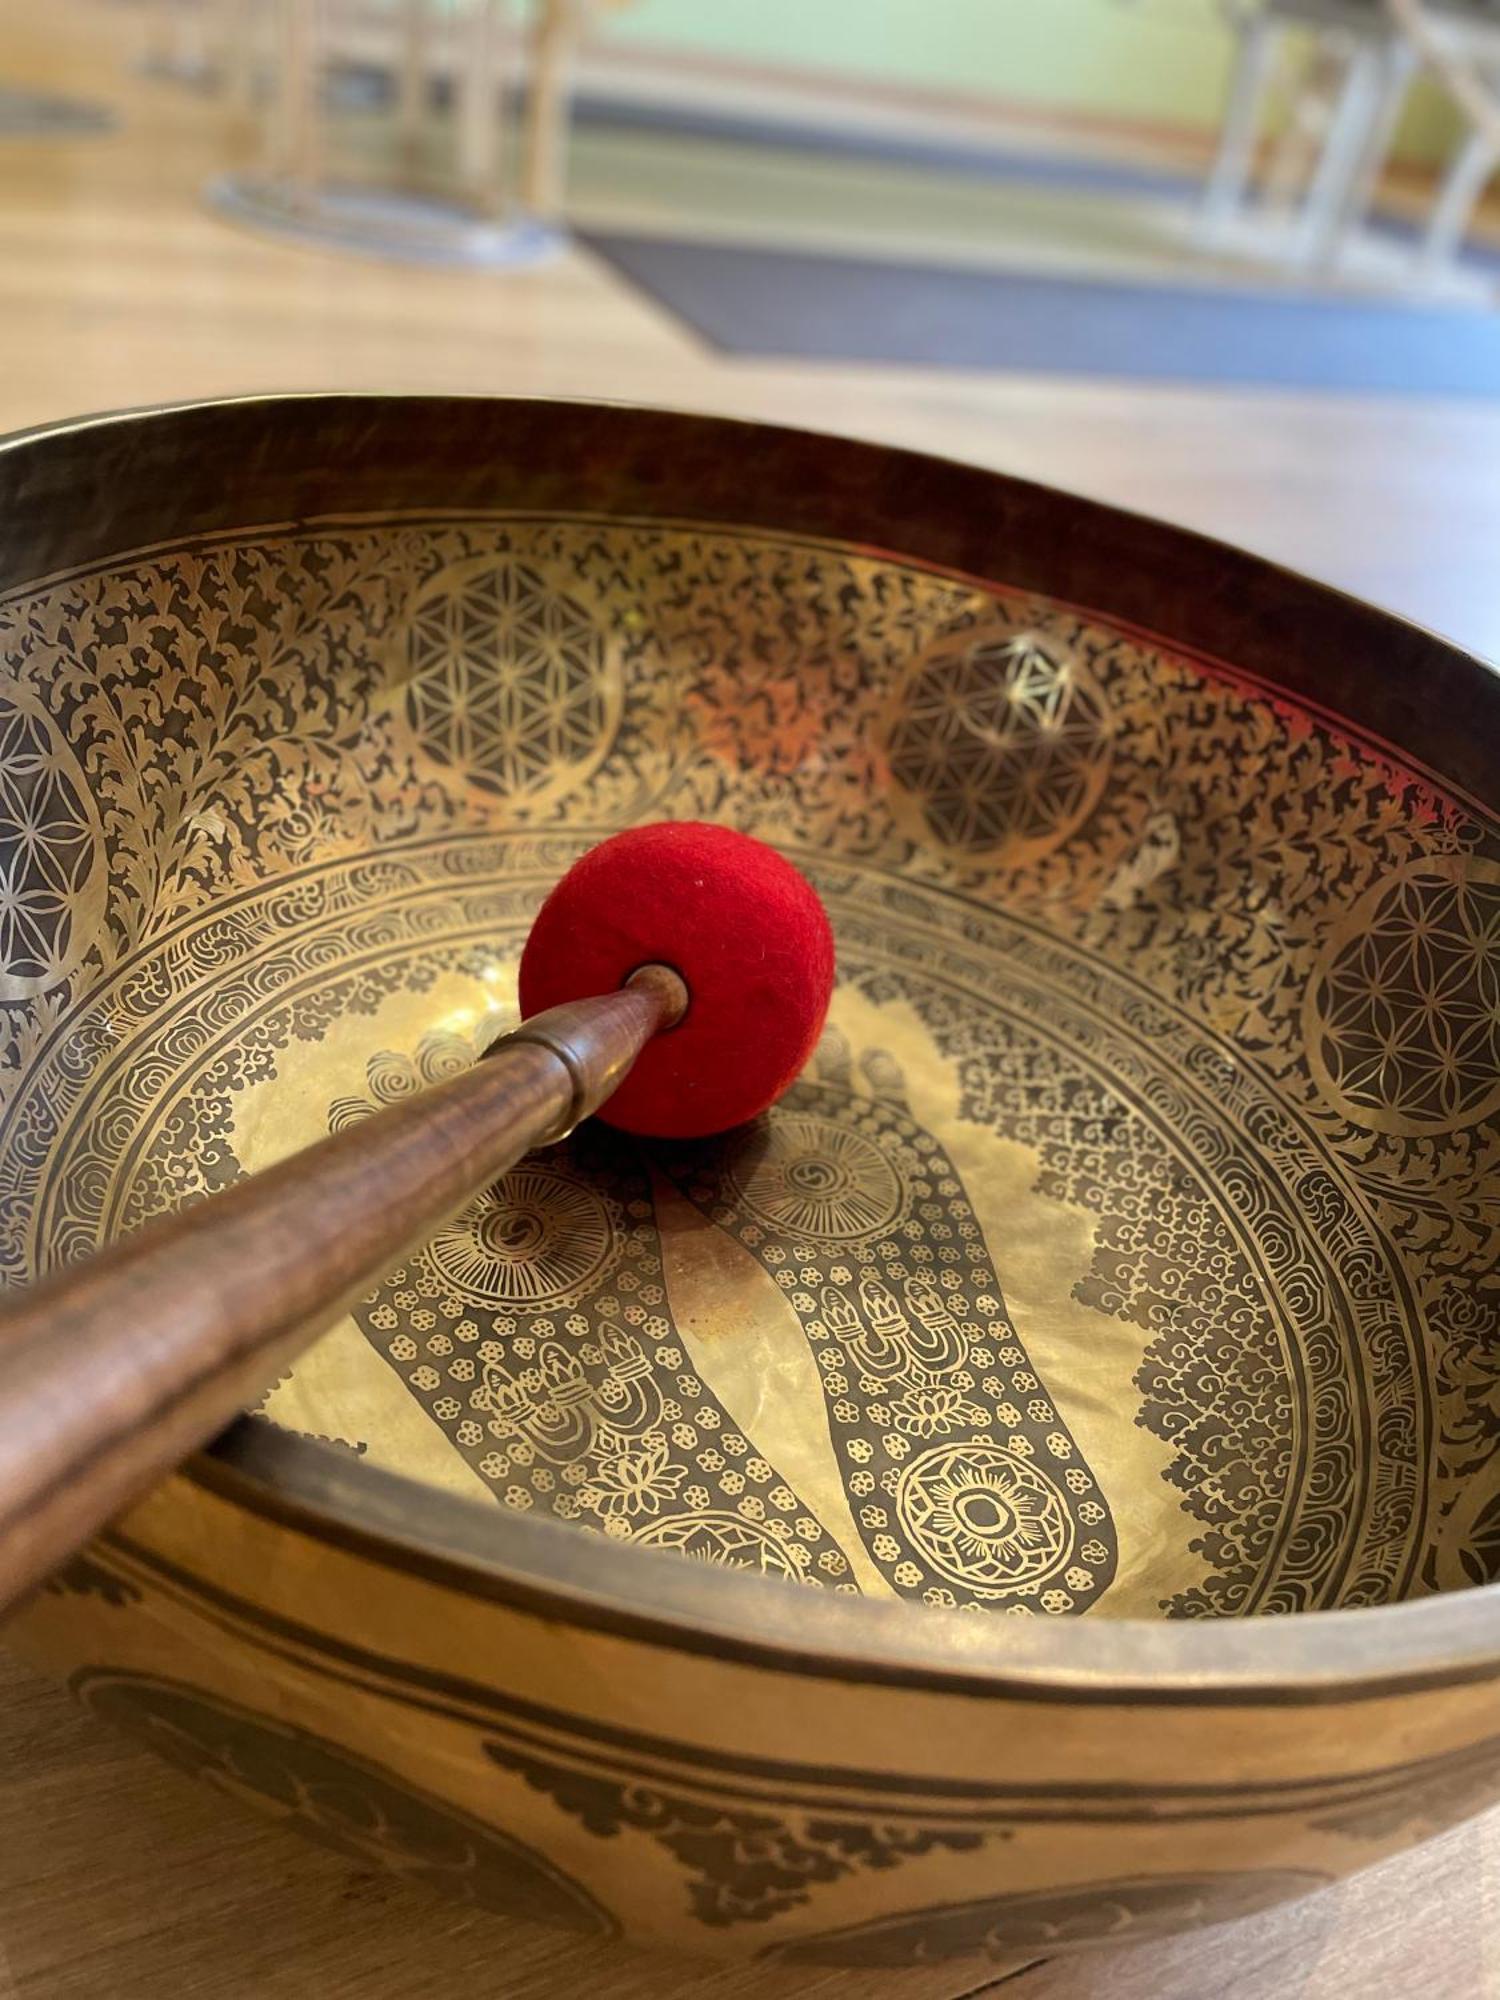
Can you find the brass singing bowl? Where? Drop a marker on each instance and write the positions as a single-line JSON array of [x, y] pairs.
[[1121, 1271]]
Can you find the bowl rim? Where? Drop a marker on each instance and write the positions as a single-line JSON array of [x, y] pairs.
[[329, 1494], [652, 1596]]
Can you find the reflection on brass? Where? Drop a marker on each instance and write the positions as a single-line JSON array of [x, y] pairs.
[[1126, 1250]]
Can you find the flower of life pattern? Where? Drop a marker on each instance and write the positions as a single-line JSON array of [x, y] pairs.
[[1002, 742], [49, 852], [1406, 1011], [510, 679]]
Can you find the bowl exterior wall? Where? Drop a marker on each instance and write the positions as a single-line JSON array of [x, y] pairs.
[[686, 1798]]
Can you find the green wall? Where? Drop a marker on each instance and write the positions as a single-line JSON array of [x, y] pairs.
[[1152, 61], [1149, 59]]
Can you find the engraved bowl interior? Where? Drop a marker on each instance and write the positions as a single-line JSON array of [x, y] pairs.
[[1129, 1247]]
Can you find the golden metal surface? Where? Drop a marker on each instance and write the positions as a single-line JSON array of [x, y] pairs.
[[1125, 1252], [1096, 1238]]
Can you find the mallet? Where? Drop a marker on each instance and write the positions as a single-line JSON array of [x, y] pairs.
[[675, 981]]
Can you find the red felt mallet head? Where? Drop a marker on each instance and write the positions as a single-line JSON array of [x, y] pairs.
[[748, 936]]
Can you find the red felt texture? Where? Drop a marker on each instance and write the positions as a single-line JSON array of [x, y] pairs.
[[746, 932]]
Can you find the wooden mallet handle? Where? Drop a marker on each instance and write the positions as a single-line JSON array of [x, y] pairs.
[[115, 1370]]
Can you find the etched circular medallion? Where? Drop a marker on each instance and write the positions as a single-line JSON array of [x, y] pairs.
[[511, 682], [721, 1538], [1403, 1015], [810, 1177], [536, 1238], [983, 1518], [999, 742]]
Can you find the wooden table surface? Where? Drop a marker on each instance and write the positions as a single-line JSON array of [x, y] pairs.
[[118, 1877]]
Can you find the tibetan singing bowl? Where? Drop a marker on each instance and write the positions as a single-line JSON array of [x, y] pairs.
[[1121, 1271]]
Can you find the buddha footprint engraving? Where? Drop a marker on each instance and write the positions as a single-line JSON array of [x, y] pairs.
[[964, 1482], [535, 1331]]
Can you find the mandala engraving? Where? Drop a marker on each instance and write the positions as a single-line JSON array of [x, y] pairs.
[[546, 1241], [1404, 1015], [983, 1519], [1273, 1525], [511, 685], [1002, 741], [810, 1177]]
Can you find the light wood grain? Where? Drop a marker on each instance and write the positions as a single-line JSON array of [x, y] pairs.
[[1427, 1924], [118, 1877]]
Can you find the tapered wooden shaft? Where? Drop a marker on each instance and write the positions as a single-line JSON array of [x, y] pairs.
[[114, 1370]]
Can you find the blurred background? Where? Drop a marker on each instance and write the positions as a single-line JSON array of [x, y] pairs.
[[1236, 262]]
